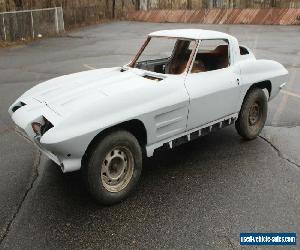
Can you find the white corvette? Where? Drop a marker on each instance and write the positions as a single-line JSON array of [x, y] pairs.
[[181, 85]]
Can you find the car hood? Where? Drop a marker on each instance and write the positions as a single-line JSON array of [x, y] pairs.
[[71, 92]]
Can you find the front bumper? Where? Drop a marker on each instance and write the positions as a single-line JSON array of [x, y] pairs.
[[33, 111], [37, 143], [66, 164]]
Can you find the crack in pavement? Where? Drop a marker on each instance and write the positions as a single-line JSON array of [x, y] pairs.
[[227, 238], [6, 130], [281, 126], [281, 155], [35, 175]]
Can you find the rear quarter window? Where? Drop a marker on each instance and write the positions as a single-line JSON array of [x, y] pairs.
[[243, 51]]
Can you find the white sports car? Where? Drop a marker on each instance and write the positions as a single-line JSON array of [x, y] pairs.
[[182, 84]]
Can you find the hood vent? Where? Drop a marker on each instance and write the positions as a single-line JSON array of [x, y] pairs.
[[153, 78]]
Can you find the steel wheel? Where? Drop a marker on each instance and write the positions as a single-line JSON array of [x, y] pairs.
[[254, 114], [113, 166], [117, 169]]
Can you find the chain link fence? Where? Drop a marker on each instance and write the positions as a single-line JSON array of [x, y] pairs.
[[21, 25]]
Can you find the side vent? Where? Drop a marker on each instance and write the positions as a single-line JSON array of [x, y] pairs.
[[195, 134]]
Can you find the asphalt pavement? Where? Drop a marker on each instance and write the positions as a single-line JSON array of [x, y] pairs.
[[200, 195]]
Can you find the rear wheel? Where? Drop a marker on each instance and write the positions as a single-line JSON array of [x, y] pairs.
[[113, 167], [253, 114]]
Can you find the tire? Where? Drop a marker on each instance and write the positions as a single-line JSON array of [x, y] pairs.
[[253, 114], [113, 167]]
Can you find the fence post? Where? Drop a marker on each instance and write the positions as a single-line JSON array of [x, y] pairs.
[[62, 19], [4, 28], [32, 28], [56, 21]]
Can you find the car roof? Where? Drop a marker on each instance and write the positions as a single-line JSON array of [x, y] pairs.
[[191, 34]]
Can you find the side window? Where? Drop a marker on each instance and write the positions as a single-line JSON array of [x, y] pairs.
[[180, 57], [211, 55]]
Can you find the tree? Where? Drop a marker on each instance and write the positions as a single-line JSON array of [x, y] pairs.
[[113, 8], [106, 8], [273, 3], [137, 4], [18, 4], [123, 5], [189, 4]]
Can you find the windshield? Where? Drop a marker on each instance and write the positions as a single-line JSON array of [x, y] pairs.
[[164, 55]]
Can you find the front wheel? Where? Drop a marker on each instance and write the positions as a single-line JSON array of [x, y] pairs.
[[113, 167], [253, 114]]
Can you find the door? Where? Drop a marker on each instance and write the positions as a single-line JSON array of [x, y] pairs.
[[212, 85]]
